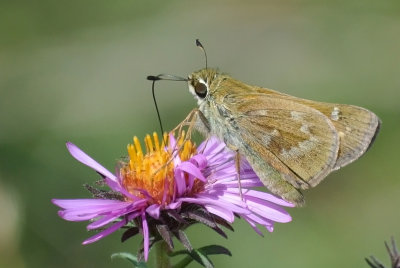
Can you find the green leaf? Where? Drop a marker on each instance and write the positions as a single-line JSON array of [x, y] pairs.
[[200, 255], [215, 249], [179, 252], [129, 257]]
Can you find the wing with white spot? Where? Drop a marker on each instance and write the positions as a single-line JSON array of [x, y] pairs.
[[296, 140], [357, 127]]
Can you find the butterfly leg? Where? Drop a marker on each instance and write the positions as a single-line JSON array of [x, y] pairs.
[[195, 119], [237, 165]]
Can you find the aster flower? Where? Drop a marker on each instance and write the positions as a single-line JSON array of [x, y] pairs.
[[167, 189]]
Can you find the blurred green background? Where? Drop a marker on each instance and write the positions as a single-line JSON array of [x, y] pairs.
[[75, 70]]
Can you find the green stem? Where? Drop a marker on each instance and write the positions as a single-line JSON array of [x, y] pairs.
[[162, 258]]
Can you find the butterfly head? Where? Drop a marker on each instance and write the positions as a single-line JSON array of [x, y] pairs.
[[200, 83]]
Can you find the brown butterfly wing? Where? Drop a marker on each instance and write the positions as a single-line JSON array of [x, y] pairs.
[[291, 143], [357, 127], [280, 135]]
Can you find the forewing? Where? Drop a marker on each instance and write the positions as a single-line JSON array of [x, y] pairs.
[[293, 138], [357, 127]]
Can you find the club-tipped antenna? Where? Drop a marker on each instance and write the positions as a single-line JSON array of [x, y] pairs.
[[198, 44], [168, 77], [154, 78], [155, 104]]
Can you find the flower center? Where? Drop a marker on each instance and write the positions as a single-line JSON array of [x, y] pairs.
[[153, 173]]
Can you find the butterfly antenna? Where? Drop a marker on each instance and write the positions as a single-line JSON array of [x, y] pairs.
[[157, 78], [155, 104], [198, 44]]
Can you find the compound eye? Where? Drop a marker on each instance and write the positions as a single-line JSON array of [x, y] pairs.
[[201, 90]]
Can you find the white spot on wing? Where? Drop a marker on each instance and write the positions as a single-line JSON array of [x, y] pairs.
[[296, 115], [305, 129], [267, 138], [258, 113], [275, 132], [335, 114], [303, 148], [262, 112]]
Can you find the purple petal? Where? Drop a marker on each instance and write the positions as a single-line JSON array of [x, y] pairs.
[[101, 222], [254, 226], [259, 220], [107, 219], [154, 211], [267, 197], [180, 183], [226, 175], [192, 170], [86, 209], [177, 160], [89, 213], [221, 212], [116, 186], [165, 194], [174, 205], [211, 146], [204, 200], [233, 186], [104, 233], [145, 236], [190, 183], [199, 160], [268, 210], [82, 157], [172, 142], [225, 197], [269, 225], [78, 203], [172, 147], [109, 230]]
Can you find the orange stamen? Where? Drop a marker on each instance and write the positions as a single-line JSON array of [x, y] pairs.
[[154, 170]]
